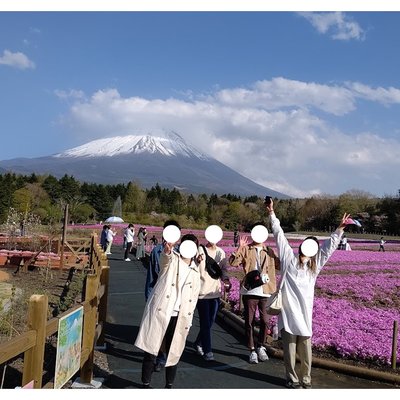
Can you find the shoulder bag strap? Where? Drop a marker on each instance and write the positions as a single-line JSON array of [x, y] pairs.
[[281, 283]]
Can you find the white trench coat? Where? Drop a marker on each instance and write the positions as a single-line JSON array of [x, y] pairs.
[[160, 307]]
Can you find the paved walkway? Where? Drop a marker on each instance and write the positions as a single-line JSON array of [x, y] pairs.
[[230, 370]]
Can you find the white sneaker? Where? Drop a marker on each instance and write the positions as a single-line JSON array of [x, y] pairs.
[[209, 356], [108, 253], [262, 354], [127, 259], [199, 350], [253, 359]]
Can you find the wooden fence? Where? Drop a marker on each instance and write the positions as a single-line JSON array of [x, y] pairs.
[[51, 253], [32, 342]]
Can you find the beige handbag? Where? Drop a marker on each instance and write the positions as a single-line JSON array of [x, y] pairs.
[[274, 302]]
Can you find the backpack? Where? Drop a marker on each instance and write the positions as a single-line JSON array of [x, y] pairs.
[[212, 267]]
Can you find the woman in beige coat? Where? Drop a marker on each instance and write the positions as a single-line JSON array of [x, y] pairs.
[[169, 311]]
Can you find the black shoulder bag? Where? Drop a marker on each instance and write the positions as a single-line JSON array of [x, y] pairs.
[[212, 267]]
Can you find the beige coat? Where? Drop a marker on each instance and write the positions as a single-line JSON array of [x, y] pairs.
[[160, 306], [246, 257]]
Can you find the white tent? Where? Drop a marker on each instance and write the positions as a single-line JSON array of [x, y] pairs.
[[114, 220]]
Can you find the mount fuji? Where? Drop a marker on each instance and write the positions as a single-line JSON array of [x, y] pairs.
[[162, 157]]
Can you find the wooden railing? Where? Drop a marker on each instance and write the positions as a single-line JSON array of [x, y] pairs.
[[32, 342], [49, 253]]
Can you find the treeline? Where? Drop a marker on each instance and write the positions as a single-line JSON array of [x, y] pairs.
[[46, 197]]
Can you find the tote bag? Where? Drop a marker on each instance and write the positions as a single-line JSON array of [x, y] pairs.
[[274, 303]]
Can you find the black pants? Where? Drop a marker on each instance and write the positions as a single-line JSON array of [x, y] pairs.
[[149, 359], [128, 249]]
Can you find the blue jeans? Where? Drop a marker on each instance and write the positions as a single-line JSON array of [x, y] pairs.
[[207, 309]]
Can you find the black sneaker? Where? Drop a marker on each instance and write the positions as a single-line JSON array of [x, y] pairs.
[[306, 385], [168, 386], [146, 386], [293, 385]]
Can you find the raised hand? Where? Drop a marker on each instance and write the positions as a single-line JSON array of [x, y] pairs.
[[200, 258], [344, 222], [168, 247], [270, 206], [243, 241]]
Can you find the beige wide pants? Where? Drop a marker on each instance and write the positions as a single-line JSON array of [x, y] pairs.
[[300, 345], [108, 250]]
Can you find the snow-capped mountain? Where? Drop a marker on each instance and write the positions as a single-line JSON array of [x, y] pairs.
[[164, 158], [165, 143]]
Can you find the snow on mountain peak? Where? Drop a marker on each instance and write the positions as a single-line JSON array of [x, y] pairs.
[[165, 143]]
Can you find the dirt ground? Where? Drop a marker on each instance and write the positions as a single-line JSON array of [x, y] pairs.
[[4, 276], [63, 289]]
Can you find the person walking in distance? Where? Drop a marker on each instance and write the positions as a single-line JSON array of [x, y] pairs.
[[110, 238], [154, 241], [140, 253], [235, 238], [103, 238], [299, 276], [381, 243], [129, 234]]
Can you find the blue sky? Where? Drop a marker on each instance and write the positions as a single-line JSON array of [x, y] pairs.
[[303, 103]]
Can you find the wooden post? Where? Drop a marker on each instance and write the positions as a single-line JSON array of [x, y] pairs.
[[394, 343], [34, 357], [92, 249], [64, 236], [104, 279], [89, 328]]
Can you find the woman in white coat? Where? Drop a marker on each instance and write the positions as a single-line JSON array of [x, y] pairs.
[[299, 274], [169, 310]]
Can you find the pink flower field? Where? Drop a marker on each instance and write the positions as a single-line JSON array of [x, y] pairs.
[[356, 303], [356, 299]]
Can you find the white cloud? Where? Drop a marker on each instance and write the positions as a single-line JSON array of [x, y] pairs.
[[337, 24], [281, 92], [72, 93], [35, 31], [387, 96], [17, 60], [268, 132]]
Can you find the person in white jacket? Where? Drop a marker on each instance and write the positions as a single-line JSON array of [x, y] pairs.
[[169, 310], [110, 238], [300, 273], [129, 234]]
